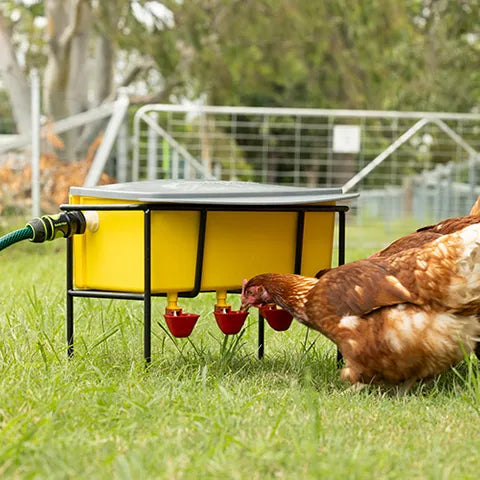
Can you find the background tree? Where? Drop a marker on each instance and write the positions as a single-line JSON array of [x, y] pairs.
[[331, 53], [410, 54], [82, 46], [14, 79]]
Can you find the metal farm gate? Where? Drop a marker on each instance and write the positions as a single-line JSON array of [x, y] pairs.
[[404, 163]]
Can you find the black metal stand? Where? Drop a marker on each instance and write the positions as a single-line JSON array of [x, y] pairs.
[[261, 336], [69, 297], [147, 287], [341, 260], [147, 294]]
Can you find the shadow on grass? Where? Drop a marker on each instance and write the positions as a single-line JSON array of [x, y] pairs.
[[308, 362], [318, 371]]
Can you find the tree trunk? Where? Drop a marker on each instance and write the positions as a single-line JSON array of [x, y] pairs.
[[65, 80], [57, 69], [14, 80], [77, 89], [102, 90], [104, 63], [78, 85]]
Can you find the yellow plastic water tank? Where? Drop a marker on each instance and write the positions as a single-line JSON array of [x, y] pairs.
[[249, 228]]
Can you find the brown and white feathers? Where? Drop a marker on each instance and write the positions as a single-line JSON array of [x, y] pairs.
[[406, 316]]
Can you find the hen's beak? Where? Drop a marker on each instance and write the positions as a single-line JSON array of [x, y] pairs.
[[244, 307]]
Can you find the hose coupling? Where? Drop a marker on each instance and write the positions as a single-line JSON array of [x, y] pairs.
[[62, 225]]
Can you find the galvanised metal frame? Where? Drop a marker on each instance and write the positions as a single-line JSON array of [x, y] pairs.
[[147, 294], [305, 142]]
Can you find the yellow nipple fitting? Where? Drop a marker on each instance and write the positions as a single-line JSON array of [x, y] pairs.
[[221, 305], [172, 306]]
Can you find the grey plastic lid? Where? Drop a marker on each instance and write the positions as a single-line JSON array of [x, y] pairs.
[[212, 192]]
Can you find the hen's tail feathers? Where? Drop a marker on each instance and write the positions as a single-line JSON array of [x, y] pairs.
[[461, 252], [476, 207]]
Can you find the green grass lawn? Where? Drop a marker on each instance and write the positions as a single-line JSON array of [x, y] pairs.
[[207, 408]]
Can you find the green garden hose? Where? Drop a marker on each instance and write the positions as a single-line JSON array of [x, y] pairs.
[[48, 227], [16, 236]]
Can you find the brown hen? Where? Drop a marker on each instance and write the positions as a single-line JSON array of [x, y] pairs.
[[403, 317]]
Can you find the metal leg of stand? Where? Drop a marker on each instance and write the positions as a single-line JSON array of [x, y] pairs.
[[341, 260], [69, 286], [147, 295], [261, 336]]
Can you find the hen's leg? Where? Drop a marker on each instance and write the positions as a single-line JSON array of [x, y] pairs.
[[349, 374], [477, 350], [405, 387]]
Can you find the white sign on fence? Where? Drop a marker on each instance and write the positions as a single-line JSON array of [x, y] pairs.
[[346, 139]]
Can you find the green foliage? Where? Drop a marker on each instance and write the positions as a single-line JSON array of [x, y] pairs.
[[338, 54], [6, 122], [408, 55], [27, 36]]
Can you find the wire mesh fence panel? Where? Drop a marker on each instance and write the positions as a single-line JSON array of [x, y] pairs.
[[425, 164], [405, 164], [301, 146]]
